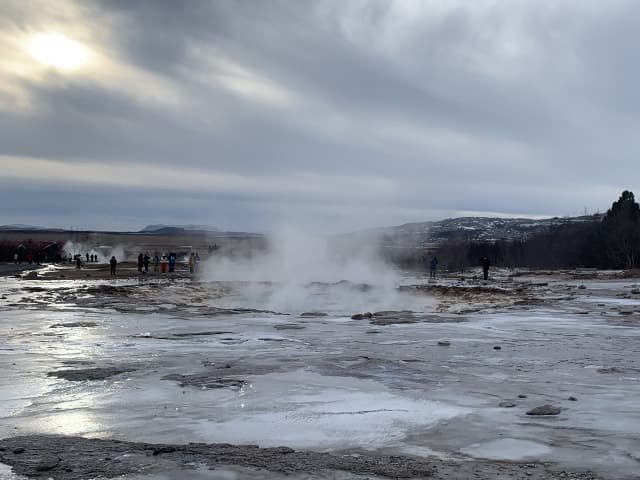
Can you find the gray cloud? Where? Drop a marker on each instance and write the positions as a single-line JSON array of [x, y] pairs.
[[397, 111]]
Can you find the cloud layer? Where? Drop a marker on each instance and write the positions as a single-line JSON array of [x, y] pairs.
[[342, 115]]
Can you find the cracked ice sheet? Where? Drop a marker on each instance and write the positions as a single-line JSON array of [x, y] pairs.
[[308, 410], [299, 409]]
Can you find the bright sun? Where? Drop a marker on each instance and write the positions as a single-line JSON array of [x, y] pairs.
[[58, 51]]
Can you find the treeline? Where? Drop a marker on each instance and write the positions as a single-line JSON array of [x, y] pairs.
[[611, 241]]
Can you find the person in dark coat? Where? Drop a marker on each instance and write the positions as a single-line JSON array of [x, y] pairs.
[[140, 262], [113, 263], [484, 261], [433, 267], [145, 262]]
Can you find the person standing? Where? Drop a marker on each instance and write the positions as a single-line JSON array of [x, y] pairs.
[[145, 262], [16, 257], [192, 263], [433, 267], [485, 266], [78, 262], [113, 262], [140, 262]]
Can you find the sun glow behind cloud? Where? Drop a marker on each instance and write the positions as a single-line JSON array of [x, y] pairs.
[[58, 51]]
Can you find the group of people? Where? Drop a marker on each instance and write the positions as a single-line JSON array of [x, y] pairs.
[[484, 262], [29, 257], [77, 259], [143, 262]]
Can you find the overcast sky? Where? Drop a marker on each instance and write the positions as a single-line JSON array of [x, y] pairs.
[[340, 114]]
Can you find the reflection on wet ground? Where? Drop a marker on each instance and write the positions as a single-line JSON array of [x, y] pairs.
[[180, 361]]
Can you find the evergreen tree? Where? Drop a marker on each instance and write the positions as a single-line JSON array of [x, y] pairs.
[[621, 232]]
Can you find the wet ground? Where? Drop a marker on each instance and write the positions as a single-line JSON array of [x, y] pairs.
[[436, 381]]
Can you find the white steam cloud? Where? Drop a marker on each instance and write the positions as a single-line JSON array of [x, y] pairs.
[[104, 252], [302, 272]]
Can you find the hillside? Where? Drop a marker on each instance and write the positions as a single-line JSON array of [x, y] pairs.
[[425, 234]]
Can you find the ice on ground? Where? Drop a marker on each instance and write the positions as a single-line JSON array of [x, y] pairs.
[[7, 474], [613, 301], [330, 385], [507, 449], [319, 412]]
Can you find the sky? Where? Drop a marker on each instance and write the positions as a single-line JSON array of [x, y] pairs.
[[328, 114]]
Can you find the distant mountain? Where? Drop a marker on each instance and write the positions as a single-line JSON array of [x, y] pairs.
[[20, 226], [425, 234], [174, 229]]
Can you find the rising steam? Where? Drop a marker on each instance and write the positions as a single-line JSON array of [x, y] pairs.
[[305, 272]]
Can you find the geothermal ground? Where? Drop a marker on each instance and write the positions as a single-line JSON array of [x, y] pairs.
[[156, 378]]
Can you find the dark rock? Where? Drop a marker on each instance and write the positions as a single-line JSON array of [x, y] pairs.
[[111, 289], [610, 370], [198, 334], [506, 404], [582, 287], [544, 410], [206, 380], [392, 317], [636, 291], [522, 396], [164, 449], [85, 458], [444, 343], [361, 316], [497, 347], [47, 464], [313, 314], [180, 336], [18, 450], [100, 373], [289, 326], [34, 289], [572, 399], [74, 324]]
